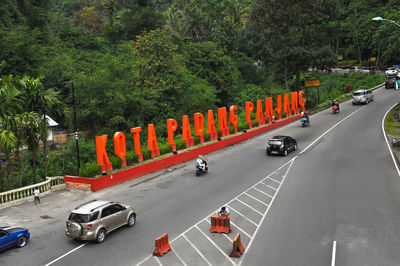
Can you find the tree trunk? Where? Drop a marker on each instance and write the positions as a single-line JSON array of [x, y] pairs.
[[19, 163], [45, 148], [298, 83]]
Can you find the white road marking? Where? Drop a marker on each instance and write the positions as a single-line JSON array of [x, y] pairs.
[[248, 206], [69, 252], [267, 185], [247, 194], [387, 142], [197, 250], [266, 212], [159, 262], [215, 245], [241, 230], [179, 257], [266, 194], [242, 215], [333, 254], [326, 132], [273, 180], [236, 198]]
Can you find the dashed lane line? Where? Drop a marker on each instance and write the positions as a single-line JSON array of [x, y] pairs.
[[333, 262]]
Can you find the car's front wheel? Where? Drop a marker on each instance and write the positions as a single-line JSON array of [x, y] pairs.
[[131, 220], [285, 153], [101, 236], [21, 241]]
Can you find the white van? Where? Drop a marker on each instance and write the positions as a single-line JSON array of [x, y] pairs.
[[362, 96]]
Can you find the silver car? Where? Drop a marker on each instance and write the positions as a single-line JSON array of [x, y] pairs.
[[95, 219], [362, 96]]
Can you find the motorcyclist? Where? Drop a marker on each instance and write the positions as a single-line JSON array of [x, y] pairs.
[[305, 116], [224, 211], [201, 163], [334, 102]]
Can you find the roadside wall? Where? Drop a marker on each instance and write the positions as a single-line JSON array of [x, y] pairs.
[[109, 180]]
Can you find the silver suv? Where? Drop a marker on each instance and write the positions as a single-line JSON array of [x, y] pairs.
[[362, 96], [95, 219]]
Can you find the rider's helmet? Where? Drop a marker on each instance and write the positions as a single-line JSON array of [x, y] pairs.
[[200, 156], [223, 208], [301, 114]]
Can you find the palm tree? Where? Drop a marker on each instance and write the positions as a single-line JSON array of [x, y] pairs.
[[41, 101]]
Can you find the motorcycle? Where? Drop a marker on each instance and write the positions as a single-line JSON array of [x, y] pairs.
[[335, 109], [199, 169], [304, 122]]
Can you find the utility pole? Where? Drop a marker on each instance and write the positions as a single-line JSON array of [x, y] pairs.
[[76, 128]]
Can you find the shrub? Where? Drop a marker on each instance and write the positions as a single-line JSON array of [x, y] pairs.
[[146, 153], [131, 158], [242, 126], [116, 162], [349, 88], [231, 130], [165, 148], [180, 144], [255, 123], [196, 140], [206, 137], [90, 169]]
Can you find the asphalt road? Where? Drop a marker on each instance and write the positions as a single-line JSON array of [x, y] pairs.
[[340, 185]]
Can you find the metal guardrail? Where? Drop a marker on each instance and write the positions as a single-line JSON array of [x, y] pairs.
[[26, 193]]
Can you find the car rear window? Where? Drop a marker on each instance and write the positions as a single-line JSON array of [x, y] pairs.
[[358, 93], [83, 218], [79, 218], [275, 142]]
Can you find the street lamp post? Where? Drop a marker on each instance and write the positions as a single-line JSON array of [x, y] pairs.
[[383, 19], [76, 129]]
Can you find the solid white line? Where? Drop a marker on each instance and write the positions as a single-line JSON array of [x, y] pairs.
[[255, 199], [242, 215], [259, 190], [159, 262], [69, 252], [148, 257], [248, 206], [326, 132], [267, 185], [198, 251], [240, 229], [179, 257], [333, 254], [387, 142], [266, 212], [273, 180], [215, 245]]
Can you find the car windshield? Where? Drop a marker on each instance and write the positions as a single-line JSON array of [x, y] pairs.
[[358, 94], [79, 218], [275, 142]]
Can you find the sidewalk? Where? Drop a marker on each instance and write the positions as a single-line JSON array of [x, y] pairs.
[[58, 204]]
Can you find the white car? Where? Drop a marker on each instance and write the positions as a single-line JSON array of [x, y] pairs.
[[392, 71]]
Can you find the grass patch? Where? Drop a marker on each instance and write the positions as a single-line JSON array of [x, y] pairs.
[[392, 127]]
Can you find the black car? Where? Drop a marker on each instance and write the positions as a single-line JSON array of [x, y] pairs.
[[281, 145], [390, 82]]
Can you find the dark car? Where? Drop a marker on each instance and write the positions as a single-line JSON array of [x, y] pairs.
[[281, 145], [390, 82], [13, 237]]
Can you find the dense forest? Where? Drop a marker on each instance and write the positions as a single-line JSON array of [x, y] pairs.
[[134, 62]]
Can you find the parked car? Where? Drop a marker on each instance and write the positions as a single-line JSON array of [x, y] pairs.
[[281, 145], [390, 82], [95, 219], [362, 96], [392, 71], [13, 237]]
